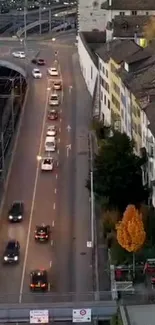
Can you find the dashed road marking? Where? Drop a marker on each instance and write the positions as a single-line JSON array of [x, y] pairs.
[[56, 176], [58, 151], [59, 140], [55, 190], [59, 130], [54, 206]]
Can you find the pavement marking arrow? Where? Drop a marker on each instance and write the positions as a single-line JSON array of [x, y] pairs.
[[68, 128], [68, 147]]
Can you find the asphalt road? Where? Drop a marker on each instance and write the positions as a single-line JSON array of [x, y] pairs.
[[54, 197]]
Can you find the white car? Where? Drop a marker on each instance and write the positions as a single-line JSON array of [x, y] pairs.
[[53, 72], [51, 131], [19, 54], [36, 74], [53, 100], [47, 164], [50, 144]]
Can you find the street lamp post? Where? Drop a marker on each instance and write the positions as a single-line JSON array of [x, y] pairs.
[[25, 20], [40, 30], [50, 22]]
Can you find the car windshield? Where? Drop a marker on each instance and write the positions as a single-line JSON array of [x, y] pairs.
[[39, 277], [50, 144], [53, 69], [54, 97], [10, 245], [47, 161], [15, 207], [36, 71], [58, 83], [41, 60], [41, 229]]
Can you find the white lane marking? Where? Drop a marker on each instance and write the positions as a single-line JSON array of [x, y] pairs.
[[58, 151], [57, 163], [55, 190], [56, 176], [33, 200], [54, 206], [14, 151], [59, 130], [49, 286], [50, 263], [59, 140], [53, 223], [52, 242], [61, 111], [60, 120], [62, 91]]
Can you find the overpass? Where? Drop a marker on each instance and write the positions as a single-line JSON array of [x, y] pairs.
[[17, 313]]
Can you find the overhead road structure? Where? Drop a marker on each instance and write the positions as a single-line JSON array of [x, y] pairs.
[[18, 313]]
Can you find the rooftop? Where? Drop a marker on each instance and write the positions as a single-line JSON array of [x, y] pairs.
[[118, 50], [92, 41], [141, 315], [129, 5], [129, 26]]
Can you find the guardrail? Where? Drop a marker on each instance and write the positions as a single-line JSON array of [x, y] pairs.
[[15, 313]]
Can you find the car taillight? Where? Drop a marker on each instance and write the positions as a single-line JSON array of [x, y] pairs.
[[43, 285], [36, 236], [32, 285], [46, 236]]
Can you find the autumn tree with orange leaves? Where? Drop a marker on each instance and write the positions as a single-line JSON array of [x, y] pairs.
[[130, 231]]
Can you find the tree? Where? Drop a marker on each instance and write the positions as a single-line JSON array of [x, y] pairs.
[[130, 231], [117, 173], [149, 29]]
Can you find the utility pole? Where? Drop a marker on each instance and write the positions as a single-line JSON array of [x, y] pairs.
[[50, 22], [12, 103], [40, 18], [25, 21], [91, 191]]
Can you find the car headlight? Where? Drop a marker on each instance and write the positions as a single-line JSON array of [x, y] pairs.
[[19, 217], [16, 258], [5, 258], [10, 217]]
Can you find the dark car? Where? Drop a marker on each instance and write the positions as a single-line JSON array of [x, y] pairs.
[[12, 252], [52, 114], [38, 61], [42, 233], [16, 212], [34, 61], [39, 280]]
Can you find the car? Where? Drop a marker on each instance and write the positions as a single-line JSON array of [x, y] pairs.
[[51, 131], [19, 54], [57, 85], [16, 212], [53, 71], [42, 233], [47, 164], [36, 74], [52, 114], [53, 99], [40, 61], [50, 144], [39, 280], [12, 252]]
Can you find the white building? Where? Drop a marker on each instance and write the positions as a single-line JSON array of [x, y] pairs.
[[90, 16]]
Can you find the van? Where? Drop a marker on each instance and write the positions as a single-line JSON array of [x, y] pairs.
[[50, 144]]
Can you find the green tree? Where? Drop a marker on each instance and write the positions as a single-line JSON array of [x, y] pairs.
[[117, 173]]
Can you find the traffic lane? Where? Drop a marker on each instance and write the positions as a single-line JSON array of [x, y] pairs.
[[40, 255], [65, 218], [21, 185]]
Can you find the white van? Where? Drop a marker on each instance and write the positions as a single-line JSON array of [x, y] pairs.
[[50, 144]]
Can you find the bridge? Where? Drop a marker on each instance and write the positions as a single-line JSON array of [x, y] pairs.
[[18, 313]]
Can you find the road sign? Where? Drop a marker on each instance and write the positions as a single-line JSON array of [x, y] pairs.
[[81, 315], [89, 244], [39, 316]]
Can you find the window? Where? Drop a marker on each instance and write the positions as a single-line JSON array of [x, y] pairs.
[[139, 130], [116, 88], [122, 13], [123, 100], [105, 100], [138, 112], [101, 94], [108, 103], [147, 13], [115, 102], [133, 12], [91, 73], [100, 65], [122, 114], [103, 70], [107, 73], [113, 69]]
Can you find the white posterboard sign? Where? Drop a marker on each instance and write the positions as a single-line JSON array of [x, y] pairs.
[[39, 316], [81, 315]]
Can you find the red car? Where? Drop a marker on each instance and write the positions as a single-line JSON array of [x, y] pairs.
[[52, 114], [38, 61]]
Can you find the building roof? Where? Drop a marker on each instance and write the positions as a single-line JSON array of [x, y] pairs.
[[92, 41], [129, 5], [118, 50], [129, 26]]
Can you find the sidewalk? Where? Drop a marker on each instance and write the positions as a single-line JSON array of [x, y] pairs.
[[83, 255]]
